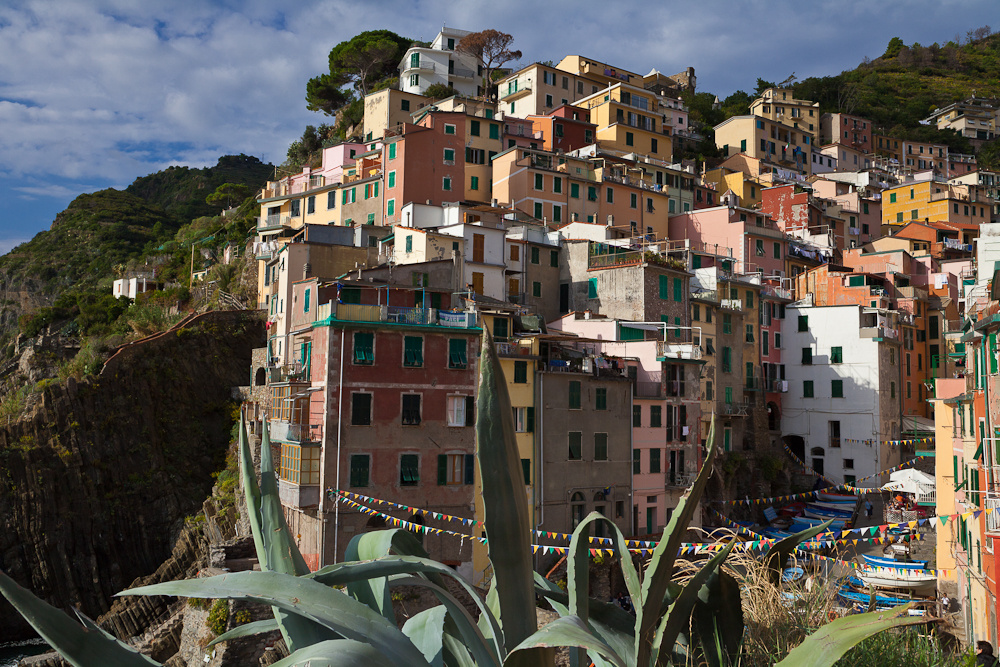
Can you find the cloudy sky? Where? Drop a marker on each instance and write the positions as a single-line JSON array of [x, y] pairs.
[[95, 93]]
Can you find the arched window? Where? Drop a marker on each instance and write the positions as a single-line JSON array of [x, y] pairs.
[[816, 451], [600, 508], [375, 523], [260, 378], [578, 508]]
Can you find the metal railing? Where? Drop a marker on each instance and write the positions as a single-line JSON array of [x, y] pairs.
[[993, 518], [613, 259], [353, 312], [272, 221], [405, 315]]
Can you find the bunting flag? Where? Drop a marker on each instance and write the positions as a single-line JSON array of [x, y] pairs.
[[851, 488]]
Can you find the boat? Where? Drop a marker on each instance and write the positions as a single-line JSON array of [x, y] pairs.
[[814, 512], [836, 505], [882, 561], [915, 580], [842, 497], [802, 523], [794, 509], [881, 601], [790, 574]]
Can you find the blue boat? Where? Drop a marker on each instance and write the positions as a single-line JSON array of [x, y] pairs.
[[881, 601], [881, 561], [801, 523], [817, 512]]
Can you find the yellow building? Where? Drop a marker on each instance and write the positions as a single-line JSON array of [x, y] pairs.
[[975, 118], [744, 186], [629, 120], [776, 142], [779, 104], [936, 201], [517, 360], [390, 108]]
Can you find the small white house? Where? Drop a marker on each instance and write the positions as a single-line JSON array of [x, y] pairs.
[[130, 287], [422, 67]]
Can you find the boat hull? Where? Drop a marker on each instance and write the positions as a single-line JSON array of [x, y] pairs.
[[899, 579], [880, 561]]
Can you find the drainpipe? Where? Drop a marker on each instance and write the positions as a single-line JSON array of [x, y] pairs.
[[539, 456], [340, 430], [322, 470], [631, 484]]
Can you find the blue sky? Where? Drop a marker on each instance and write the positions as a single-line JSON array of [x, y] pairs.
[[95, 93]]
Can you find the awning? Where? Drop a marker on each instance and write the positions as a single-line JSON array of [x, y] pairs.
[[914, 424], [643, 326]]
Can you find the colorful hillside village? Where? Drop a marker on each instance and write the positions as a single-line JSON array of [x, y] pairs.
[[824, 291]]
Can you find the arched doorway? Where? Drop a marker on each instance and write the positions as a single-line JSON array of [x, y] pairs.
[[600, 508], [817, 459], [773, 417], [797, 445], [577, 508], [260, 378]]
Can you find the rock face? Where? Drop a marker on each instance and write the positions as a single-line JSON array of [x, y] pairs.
[[95, 482]]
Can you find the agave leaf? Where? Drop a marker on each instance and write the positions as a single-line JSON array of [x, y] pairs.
[[389, 566], [455, 653], [275, 548], [775, 557], [368, 546], [81, 646], [483, 651], [300, 596], [618, 634], [660, 571], [426, 631], [245, 630], [824, 647], [679, 613], [718, 617], [568, 631], [337, 653], [506, 505], [486, 624]]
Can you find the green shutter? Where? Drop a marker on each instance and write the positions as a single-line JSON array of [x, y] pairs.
[[574, 395], [678, 290], [392, 151], [305, 305], [413, 353], [526, 469], [456, 353], [664, 287], [554, 258], [803, 323], [470, 468], [442, 469], [992, 353], [592, 288], [520, 372], [364, 352], [530, 420]]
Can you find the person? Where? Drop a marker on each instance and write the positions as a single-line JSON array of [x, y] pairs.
[[984, 655], [868, 507], [945, 602]]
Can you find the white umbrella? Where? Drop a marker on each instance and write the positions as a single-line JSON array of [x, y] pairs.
[[910, 481]]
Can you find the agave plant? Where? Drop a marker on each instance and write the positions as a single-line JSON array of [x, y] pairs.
[[342, 614]]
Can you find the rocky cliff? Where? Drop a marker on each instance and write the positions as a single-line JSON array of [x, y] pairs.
[[97, 477]]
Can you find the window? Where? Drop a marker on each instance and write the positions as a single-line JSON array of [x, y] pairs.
[[456, 353], [600, 446], [601, 399], [548, 100], [611, 195], [409, 470], [534, 255], [636, 416], [727, 323], [575, 402], [575, 446], [591, 193], [538, 210], [678, 290], [524, 420], [760, 247], [807, 356], [413, 351], [765, 342], [837, 388], [654, 460], [494, 131], [455, 469], [364, 348], [592, 288], [836, 355], [474, 183], [807, 389], [803, 323], [554, 258], [474, 128], [538, 182], [636, 461], [695, 313], [449, 129], [727, 360], [525, 468], [299, 465], [629, 139], [536, 289], [520, 372], [390, 208], [892, 390], [750, 337], [446, 183], [411, 409], [456, 410], [361, 409], [655, 416], [360, 466]]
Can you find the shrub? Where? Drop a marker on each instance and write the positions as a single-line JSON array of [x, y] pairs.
[[218, 617]]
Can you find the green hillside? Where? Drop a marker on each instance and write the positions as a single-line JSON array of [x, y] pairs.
[[181, 191]]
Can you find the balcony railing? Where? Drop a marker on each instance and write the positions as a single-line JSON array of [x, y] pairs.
[[513, 348], [648, 389], [352, 312], [274, 222], [777, 386], [679, 479], [736, 409], [678, 350], [286, 432], [993, 518], [613, 259]]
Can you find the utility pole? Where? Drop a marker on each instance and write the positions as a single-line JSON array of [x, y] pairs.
[[191, 276]]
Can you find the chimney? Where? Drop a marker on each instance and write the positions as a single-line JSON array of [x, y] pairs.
[[306, 270]]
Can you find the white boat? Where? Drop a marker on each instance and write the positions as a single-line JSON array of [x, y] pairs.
[[892, 578], [813, 512], [835, 505]]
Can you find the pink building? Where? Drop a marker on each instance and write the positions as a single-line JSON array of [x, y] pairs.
[[666, 410], [757, 243], [774, 296]]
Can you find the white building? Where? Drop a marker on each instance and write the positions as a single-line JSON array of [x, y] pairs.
[[844, 397], [130, 287], [422, 67]]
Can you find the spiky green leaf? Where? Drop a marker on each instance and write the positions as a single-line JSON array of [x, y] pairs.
[[568, 631], [245, 630], [504, 500], [81, 645], [718, 618], [825, 647], [337, 653], [300, 596], [679, 613], [368, 546], [426, 631], [661, 566], [775, 557]]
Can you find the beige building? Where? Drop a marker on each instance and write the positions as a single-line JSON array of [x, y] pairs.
[[780, 143], [538, 89], [975, 119], [779, 104], [629, 120], [390, 108]]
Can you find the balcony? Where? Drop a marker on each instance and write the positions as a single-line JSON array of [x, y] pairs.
[[666, 351], [992, 518], [272, 223], [648, 389], [753, 384], [462, 73], [296, 495], [736, 409], [679, 480], [776, 386], [513, 349], [352, 312], [516, 94], [282, 431], [614, 259]]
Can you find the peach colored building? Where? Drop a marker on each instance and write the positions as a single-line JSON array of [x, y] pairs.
[[757, 243]]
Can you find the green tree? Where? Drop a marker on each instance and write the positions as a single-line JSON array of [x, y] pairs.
[[989, 155], [762, 85], [492, 47], [227, 193], [895, 46], [362, 61], [439, 91]]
